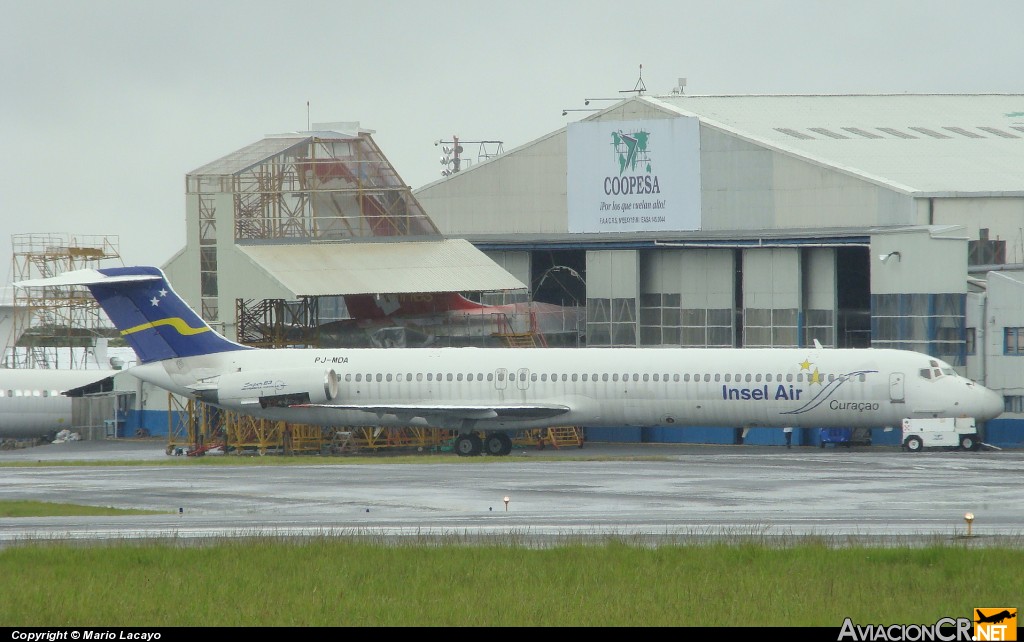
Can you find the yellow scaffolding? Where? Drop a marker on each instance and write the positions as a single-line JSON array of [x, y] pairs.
[[195, 428]]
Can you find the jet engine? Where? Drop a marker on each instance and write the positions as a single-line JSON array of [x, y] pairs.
[[272, 388]]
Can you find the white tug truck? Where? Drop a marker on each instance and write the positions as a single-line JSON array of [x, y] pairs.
[[919, 434]]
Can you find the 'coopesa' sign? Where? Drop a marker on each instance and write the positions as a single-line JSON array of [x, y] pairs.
[[633, 176]]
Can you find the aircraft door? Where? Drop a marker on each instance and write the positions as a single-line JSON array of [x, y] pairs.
[[896, 394], [523, 379], [500, 378]]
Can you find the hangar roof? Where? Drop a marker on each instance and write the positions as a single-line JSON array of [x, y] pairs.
[[394, 267], [925, 144]]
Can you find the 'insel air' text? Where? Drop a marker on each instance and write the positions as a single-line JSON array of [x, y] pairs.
[[787, 393]]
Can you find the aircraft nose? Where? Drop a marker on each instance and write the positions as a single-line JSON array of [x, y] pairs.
[[991, 404]]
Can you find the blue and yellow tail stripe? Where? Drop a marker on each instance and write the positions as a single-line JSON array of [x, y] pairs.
[[153, 319], [177, 323]]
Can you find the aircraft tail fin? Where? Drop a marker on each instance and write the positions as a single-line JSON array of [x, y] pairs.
[[149, 315]]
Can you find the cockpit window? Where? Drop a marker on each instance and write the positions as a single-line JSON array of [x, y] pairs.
[[926, 373]]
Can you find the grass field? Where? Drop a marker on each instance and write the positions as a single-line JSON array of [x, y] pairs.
[[611, 583]]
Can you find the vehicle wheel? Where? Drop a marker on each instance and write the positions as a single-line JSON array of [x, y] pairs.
[[913, 444], [498, 444], [468, 445], [968, 442]]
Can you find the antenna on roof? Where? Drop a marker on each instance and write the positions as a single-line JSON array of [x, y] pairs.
[[307, 115], [639, 88]]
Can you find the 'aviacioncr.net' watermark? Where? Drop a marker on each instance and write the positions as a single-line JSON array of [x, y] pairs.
[[987, 625]]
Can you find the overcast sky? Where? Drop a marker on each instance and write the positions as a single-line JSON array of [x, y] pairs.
[[107, 104]]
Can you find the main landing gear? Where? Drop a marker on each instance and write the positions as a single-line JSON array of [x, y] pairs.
[[497, 444]]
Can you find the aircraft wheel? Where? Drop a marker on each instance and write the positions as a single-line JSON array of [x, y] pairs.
[[468, 445], [498, 444], [913, 444], [968, 442]]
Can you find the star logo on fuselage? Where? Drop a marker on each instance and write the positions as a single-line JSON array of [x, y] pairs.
[[812, 376], [816, 377]]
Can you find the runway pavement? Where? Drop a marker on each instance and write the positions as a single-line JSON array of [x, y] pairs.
[[653, 493]]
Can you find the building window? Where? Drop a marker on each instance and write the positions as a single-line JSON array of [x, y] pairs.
[[1013, 403], [1013, 341]]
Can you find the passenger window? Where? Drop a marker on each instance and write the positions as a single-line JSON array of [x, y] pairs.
[[585, 376], [533, 376], [490, 376], [419, 376], [747, 377], [718, 377], [707, 378], [459, 377], [728, 378], [757, 378], [675, 378], [604, 377], [574, 376], [636, 377], [449, 377], [615, 376]]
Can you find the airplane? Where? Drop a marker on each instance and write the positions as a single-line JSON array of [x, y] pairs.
[[484, 394], [994, 618], [446, 318], [32, 400]]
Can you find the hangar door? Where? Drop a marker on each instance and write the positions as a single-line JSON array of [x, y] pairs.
[[771, 297], [612, 292], [686, 298]]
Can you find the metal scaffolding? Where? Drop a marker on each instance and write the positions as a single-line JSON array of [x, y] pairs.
[[56, 327]]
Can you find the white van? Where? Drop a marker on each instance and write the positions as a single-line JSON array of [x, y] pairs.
[[940, 433]]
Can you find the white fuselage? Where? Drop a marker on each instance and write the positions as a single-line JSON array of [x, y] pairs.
[[599, 387], [31, 403]]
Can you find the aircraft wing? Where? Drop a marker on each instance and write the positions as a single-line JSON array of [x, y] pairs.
[[445, 414]]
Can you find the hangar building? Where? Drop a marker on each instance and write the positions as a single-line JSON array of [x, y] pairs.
[[677, 220], [746, 221]]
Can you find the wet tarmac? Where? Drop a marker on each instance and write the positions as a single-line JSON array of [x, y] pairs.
[[653, 493]]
